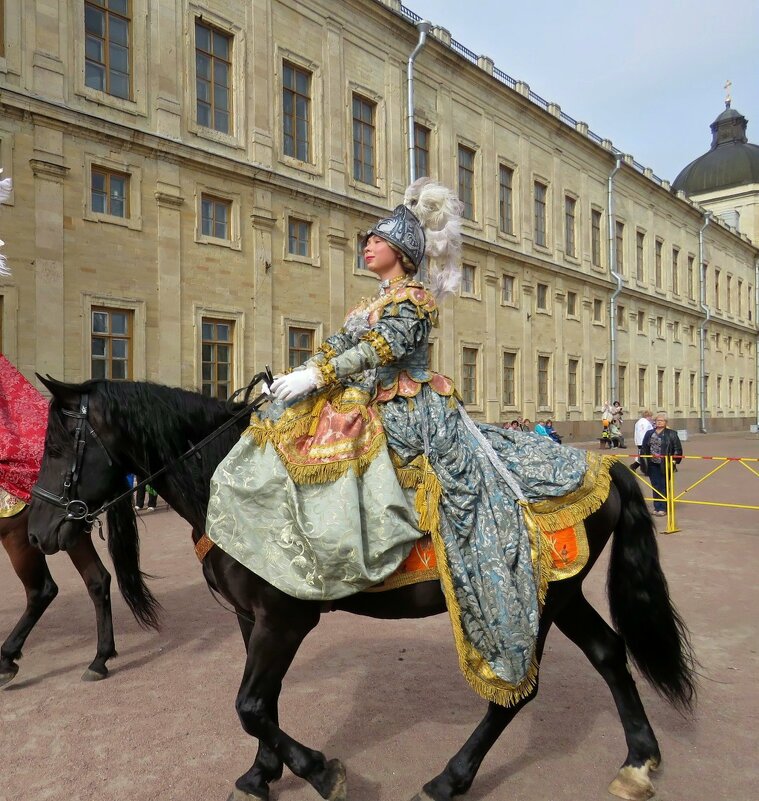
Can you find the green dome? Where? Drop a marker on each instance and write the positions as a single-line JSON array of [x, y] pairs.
[[731, 161]]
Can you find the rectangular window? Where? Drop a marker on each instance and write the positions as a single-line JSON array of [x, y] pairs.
[[572, 369], [469, 375], [107, 56], [111, 344], [506, 199], [544, 363], [598, 383], [360, 261], [676, 330], [692, 390], [678, 375], [466, 181], [718, 397], [300, 346], [621, 317], [216, 366], [541, 195], [658, 267], [364, 128], [750, 296], [641, 320], [597, 310], [468, 279], [571, 304], [740, 298], [541, 297], [421, 150], [691, 278], [215, 217], [640, 248], [740, 393], [296, 112], [641, 386], [730, 394], [213, 77], [675, 271], [507, 289], [298, 237], [622, 383], [660, 327], [509, 379], [570, 206], [595, 238], [109, 192], [619, 240], [717, 298], [729, 294], [660, 388]]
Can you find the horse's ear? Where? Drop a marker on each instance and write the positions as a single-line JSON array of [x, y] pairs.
[[65, 394]]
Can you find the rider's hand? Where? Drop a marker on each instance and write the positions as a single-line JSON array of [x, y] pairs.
[[295, 384]]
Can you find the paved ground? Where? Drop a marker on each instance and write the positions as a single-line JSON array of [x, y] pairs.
[[386, 697]]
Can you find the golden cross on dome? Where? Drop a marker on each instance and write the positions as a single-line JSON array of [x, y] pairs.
[[728, 98]]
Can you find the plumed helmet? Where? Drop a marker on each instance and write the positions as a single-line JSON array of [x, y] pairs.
[[402, 229]]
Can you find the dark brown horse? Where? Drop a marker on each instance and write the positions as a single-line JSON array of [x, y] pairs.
[[31, 567], [141, 427]]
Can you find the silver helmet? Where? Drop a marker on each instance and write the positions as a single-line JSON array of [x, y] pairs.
[[403, 230]]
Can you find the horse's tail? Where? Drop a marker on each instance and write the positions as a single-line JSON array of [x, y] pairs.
[[641, 609], [124, 547]]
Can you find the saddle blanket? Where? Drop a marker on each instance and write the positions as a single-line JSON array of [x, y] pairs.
[[23, 419]]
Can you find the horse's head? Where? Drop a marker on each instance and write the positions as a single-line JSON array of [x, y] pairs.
[[78, 473]]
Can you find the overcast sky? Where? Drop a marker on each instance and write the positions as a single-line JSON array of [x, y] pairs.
[[649, 74]]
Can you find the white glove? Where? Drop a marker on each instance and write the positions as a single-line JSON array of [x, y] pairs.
[[295, 384]]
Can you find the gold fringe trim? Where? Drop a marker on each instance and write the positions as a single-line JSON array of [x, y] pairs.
[[555, 514], [327, 372], [405, 580], [380, 345], [326, 349]]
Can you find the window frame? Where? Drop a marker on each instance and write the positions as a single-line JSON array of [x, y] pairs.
[[137, 308], [514, 302], [216, 321], [570, 226], [374, 127], [420, 127], [110, 337], [574, 313], [475, 291], [313, 259], [507, 197], [548, 405], [514, 352], [596, 237], [540, 221], [128, 19], [289, 63], [471, 204], [133, 219], [211, 192], [577, 382], [476, 404]]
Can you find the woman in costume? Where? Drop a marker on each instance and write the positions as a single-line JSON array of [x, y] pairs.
[[364, 447]]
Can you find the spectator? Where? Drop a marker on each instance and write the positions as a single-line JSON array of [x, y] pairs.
[[516, 425], [658, 443], [615, 435], [552, 433], [526, 425], [139, 497], [617, 413], [541, 429], [644, 424]]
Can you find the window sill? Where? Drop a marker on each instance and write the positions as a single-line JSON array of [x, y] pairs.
[[132, 107], [134, 223], [231, 244], [301, 166], [308, 261]]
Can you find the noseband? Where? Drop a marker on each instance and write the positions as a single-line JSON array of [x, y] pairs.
[[75, 508]]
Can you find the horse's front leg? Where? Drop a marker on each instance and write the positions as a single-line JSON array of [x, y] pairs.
[[98, 582], [267, 766], [30, 566], [275, 640]]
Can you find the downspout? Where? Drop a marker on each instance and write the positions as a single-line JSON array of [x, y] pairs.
[[423, 27], [617, 277], [705, 321]]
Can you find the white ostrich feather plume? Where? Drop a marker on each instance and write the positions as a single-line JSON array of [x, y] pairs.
[[439, 211]]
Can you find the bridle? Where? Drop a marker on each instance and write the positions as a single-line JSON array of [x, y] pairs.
[[76, 508]]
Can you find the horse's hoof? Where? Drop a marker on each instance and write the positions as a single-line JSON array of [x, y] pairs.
[[240, 795], [93, 675], [8, 674], [632, 783], [336, 772]]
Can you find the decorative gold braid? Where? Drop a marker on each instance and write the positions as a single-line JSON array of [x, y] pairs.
[[381, 346], [203, 546], [328, 350], [327, 372]]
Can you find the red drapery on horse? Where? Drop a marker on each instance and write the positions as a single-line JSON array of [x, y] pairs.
[[23, 419]]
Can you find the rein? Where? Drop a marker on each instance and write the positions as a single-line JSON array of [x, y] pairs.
[[77, 509]]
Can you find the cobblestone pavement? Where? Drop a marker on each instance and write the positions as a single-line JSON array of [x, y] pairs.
[[386, 697]]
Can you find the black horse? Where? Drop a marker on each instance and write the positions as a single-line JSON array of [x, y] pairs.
[[141, 427], [30, 566]]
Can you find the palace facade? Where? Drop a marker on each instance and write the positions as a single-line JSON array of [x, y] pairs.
[[192, 179]]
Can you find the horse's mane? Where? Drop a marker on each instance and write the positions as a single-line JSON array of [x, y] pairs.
[[159, 423]]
